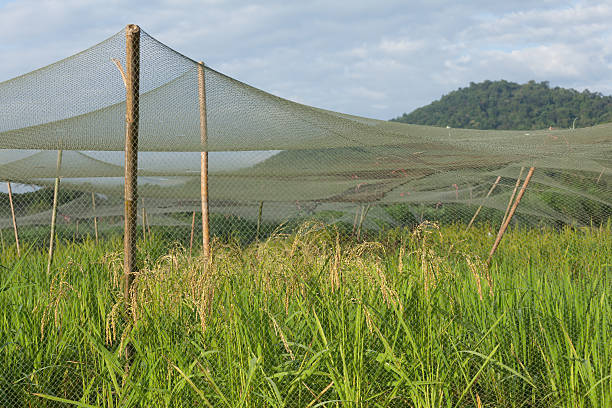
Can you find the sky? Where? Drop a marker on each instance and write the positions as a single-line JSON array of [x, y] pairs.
[[370, 58]]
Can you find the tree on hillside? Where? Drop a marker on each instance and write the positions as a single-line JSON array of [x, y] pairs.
[[508, 105]]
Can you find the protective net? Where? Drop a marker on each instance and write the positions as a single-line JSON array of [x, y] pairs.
[[273, 165], [297, 159]]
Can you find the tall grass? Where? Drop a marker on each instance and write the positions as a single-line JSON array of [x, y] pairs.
[[310, 319]]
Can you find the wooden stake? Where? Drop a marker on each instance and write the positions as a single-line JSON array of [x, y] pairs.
[[191, 236], [355, 219], [148, 224], [10, 194], [259, 220], [502, 229], [2, 239], [132, 82], [204, 162], [54, 210], [518, 182], [144, 222], [483, 201], [364, 214], [600, 174], [93, 203]]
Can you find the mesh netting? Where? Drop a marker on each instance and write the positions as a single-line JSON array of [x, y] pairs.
[[274, 167], [265, 148]]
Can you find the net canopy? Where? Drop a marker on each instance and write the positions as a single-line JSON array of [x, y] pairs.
[[298, 160]]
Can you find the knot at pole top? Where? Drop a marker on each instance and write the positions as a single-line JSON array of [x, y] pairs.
[[132, 29]]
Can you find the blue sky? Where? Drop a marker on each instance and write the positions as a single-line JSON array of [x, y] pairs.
[[369, 58]]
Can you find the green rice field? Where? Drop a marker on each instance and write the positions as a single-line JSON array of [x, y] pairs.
[[408, 318]]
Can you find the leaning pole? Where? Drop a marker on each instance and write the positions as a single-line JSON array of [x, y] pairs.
[[506, 222], [10, 194]]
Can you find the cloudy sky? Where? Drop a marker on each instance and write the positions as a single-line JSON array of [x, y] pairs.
[[370, 58]]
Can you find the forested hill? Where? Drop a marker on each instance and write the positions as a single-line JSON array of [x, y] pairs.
[[508, 105]]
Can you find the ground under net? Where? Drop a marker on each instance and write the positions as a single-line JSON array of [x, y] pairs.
[[271, 161]]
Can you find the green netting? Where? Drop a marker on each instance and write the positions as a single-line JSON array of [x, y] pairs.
[[266, 324], [267, 149]]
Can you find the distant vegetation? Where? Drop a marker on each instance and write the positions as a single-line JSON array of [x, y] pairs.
[[508, 105]]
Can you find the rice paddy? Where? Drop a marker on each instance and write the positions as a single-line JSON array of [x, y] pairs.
[[409, 318]]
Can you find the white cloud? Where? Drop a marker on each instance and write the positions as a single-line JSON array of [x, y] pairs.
[[555, 60], [367, 93], [369, 58], [400, 45], [357, 52]]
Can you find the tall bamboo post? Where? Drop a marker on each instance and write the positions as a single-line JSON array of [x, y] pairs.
[[10, 194], [132, 82], [203, 162], [54, 210], [502, 229], [481, 204], [93, 204]]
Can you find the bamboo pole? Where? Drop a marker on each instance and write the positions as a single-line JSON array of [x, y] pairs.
[[191, 236], [364, 214], [148, 225], [10, 194], [483, 201], [144, 222], [259, 220], [2, 239], [504, 226], [54, 210], [93, 203], [518, 183], [356, 218], [600, 174], [132, 82], [204, 162]]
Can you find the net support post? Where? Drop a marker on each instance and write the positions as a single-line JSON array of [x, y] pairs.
[[54, 210], [191, 236], [364, 214], [257, 237], [506, 222], [95, 218], [15, 229], [483, 201], [516, 186], [203, 162], [144, 222], [132, 82]]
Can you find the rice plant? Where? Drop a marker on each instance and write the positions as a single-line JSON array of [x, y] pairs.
[[309, 319]]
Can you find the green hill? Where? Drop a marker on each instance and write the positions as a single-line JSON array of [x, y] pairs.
[[508, 105]]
